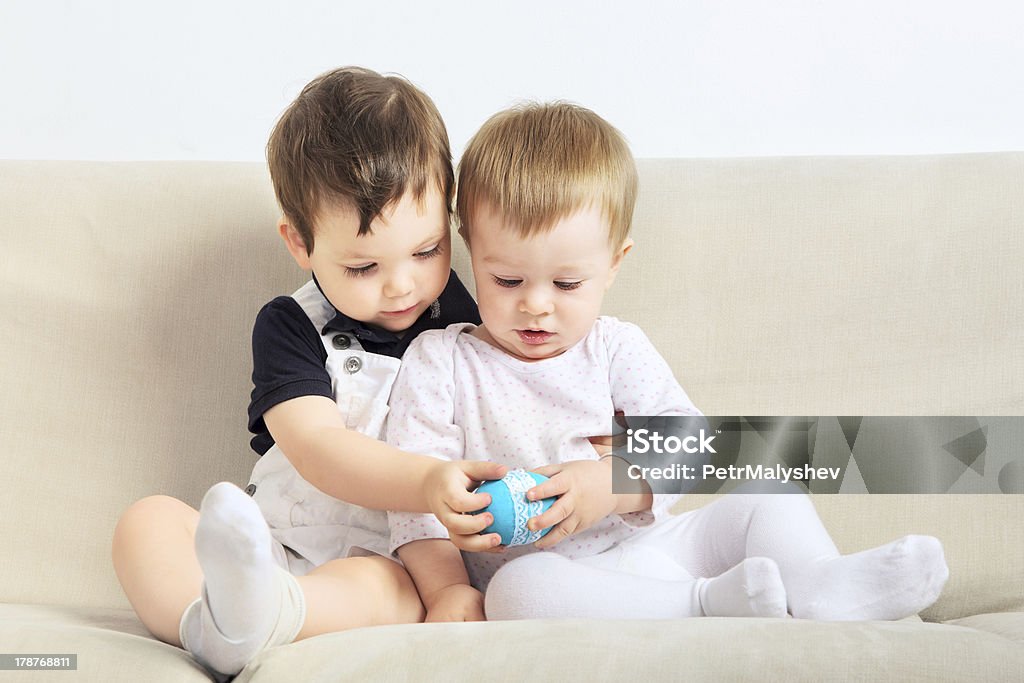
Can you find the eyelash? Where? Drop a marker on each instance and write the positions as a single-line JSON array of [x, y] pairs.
[[510, 284], [366, 270]]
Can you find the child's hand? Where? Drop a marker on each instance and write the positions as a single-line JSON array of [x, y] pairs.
[[457, 602], [448, 496], [585, 490]]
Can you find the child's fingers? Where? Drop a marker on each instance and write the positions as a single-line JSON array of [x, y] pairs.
[[465, 525], [475, 543], [550, 517], [555, 536], [548, 470], [479, 470], [555, 486], [496, 550], [464, 501]]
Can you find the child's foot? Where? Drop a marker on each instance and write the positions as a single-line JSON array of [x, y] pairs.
[[753, 588], [888, 582], [246, 597], [233, 546]]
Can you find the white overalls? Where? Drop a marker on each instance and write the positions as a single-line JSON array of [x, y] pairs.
[[310, 526]]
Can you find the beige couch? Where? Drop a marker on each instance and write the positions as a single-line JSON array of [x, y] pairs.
[[820, 286]]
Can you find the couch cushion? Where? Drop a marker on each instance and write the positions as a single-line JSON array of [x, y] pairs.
[[1007, 624], [709, 649], [111, 644]]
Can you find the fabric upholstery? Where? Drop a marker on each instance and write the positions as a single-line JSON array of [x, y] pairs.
[[825, 286]]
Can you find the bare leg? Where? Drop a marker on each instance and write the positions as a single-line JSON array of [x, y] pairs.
[[155, 561], [249, 603], [358, 591]]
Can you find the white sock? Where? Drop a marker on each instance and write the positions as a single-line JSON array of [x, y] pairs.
[[248, 603], [753, 588], [547, 585], [892, 581]]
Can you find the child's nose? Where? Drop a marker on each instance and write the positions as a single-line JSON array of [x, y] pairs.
[[398, 284], [536, 303]]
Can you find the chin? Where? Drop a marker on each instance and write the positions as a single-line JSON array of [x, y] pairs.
[[534, 353], [405, 322], [397, 325]]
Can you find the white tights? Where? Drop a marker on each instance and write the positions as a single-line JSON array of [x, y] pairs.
[[765, 548]]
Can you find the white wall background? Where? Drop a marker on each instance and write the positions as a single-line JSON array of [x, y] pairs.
[[206, 79]]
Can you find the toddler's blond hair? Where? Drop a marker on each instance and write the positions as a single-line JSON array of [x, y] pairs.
[[536, 164]]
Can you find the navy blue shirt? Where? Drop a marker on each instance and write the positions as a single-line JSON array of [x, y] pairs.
[[289, 358]]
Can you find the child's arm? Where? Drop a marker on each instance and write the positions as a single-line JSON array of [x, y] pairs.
[[359, 469], [436, 568], [422, 419], [293, 400], [642, 383]]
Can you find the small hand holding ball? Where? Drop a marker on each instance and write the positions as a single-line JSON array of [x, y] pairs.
[[511, 509]]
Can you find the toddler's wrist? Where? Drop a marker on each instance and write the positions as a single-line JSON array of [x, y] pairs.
[[429, 601], [434, 483], [638, 497]]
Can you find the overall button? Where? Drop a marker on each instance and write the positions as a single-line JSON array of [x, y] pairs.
[[341, 341], [250, 489], [353, 365]]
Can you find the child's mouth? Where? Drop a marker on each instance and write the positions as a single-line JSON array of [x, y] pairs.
[[399, 314], [534, 336]]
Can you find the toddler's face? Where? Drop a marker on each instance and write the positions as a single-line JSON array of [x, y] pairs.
[[386, 278], [541, 295]]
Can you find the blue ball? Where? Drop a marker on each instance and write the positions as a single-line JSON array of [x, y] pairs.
[[511, 509]]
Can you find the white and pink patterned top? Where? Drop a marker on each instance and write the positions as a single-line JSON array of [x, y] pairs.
[[458, 397]]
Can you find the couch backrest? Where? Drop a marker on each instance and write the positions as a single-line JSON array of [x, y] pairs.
[[857, 286], [834, 286], [129, 293]]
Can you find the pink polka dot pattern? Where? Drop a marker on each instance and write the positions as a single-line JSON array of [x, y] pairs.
[[458, 397]]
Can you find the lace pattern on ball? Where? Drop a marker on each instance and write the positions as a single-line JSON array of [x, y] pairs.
[[519, 482]]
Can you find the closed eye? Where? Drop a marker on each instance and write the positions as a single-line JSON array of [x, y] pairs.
[[435, 250], [503, 282], [568, 286], [361, 270]]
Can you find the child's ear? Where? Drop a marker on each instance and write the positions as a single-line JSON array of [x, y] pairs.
[[295, 244], [617, 260]]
